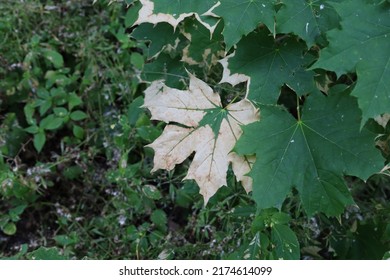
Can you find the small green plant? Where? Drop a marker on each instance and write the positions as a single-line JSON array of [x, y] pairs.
[[73, 88]]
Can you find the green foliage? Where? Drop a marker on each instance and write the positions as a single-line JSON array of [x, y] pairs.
[[362, 45], [152, 33], [270, 64], [274, 238], [310, 20], [62, 88], [75, 179], [252, 12], [325, 153], [316, 70]]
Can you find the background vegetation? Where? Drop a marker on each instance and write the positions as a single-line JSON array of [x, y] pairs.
[[75, 178]]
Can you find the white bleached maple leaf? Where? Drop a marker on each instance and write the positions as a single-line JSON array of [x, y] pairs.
[[177, 12], [197, 122]]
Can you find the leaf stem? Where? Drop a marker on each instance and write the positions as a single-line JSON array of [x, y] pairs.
[[298, 109]]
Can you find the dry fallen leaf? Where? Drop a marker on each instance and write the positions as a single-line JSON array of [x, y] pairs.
[[198, 123]]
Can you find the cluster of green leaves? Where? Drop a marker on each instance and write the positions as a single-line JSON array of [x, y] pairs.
[[75, 178], [317, 70], [69, 105]]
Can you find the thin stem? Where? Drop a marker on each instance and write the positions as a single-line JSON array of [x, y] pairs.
[[298, 109]]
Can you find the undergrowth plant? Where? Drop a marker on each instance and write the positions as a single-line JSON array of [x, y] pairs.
[[66, 115], [289, 96]]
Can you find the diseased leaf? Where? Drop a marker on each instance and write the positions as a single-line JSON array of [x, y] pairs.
[[173, 12], [311, 154], [152, 192], [206, 128], [243, 16], [253, 250], [362, 44], [204, 47], [286, 243], [307, 19], [267, 65]]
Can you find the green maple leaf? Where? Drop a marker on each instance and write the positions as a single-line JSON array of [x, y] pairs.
[[166, 68], [307, 19], [269, 65], [152, 33], [243, 16], [362, 45], [311, 154]]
